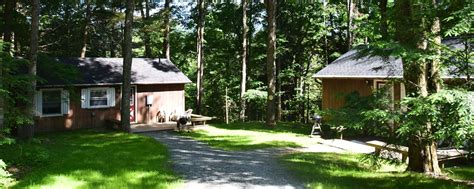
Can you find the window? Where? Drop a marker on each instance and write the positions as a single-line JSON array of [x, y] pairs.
[[51, 102], [98, 97]]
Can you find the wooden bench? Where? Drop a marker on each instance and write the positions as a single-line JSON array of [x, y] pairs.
[[449, 154], [379, 146], [199, 119]]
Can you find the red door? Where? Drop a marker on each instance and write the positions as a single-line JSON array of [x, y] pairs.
[[132, 104]]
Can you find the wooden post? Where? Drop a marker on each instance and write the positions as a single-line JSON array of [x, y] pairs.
[[226, 107]]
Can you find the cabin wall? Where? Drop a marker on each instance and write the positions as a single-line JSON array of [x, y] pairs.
[[166, 96], [334, 90]]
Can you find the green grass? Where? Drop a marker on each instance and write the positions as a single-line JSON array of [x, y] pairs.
[[249, 136], [91, 159], [330, 170], [463, 173]]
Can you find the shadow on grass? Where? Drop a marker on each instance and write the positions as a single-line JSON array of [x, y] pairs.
[[330, 170], [236, 142], [89, 159], [282, 127], [463, 173]]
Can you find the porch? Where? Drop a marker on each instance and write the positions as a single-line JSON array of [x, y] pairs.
[[147, 127]]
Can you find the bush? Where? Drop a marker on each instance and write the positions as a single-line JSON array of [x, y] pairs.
[[6, 179]]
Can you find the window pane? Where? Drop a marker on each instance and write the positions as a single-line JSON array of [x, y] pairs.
[[51, 102], [98, 97]]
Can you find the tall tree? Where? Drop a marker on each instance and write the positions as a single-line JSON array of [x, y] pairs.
[[166, 32], [383, 19], [350, 9], [127, 65], [145, 13], [201, 6], [270, 6], [33, 56], [413, 32], [86, 28], [9, 9], [243, 82]]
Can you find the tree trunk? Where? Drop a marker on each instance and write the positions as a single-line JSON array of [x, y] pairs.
[[28, 130], [243, 81], [200, 54], [383, 19], [127, 66], [8, 24], [278, 101], [166, 32], [271, 67], [85, 34], [411, 33], [350, 7]]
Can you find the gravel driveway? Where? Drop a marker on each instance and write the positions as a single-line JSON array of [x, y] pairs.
[[204, 167]]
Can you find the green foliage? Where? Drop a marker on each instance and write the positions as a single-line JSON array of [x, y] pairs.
[[450, 112], [256, 102], [372, 114], [6, 179], [16, 84]]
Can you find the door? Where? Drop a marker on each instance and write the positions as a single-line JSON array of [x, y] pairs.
[[133, 113]]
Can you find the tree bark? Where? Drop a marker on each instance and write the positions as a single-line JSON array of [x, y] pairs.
[[271, 67], [383, 19], [127, 66], [166, 32], [28, 130], [85, 34], [243, 81], [350, 8], [8, 24], [200, 54], [411, 33]]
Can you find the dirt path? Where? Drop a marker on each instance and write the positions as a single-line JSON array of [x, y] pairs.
[[204, 167]]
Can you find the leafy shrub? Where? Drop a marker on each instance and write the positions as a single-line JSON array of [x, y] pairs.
[[450, 112], [5, 177], [371, 114]]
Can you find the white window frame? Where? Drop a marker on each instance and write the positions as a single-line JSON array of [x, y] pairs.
[[64, 102], [86, 97], [90, 97]]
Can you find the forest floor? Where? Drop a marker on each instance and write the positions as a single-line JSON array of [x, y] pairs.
[[90, 159]]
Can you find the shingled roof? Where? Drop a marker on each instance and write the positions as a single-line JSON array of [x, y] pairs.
[[108, 71], [352, 65]]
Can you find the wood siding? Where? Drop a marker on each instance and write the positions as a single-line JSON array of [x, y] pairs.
[[169, 97], [334, 90]]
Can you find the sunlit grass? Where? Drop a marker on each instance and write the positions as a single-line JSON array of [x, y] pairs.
[[463, 173], [249, 136], [330, 170], [89, 159]]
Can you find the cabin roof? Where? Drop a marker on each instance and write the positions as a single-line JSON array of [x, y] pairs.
[[353, 65], [108, 71]]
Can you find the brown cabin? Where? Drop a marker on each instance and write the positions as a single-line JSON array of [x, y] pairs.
[[350, 73], [94, 98]]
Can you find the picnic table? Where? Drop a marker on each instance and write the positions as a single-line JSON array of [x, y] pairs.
[[444, 154]]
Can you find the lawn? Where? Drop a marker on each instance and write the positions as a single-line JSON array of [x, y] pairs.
[[254, 135], [321, 170], [91, 159], [329, 170]]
